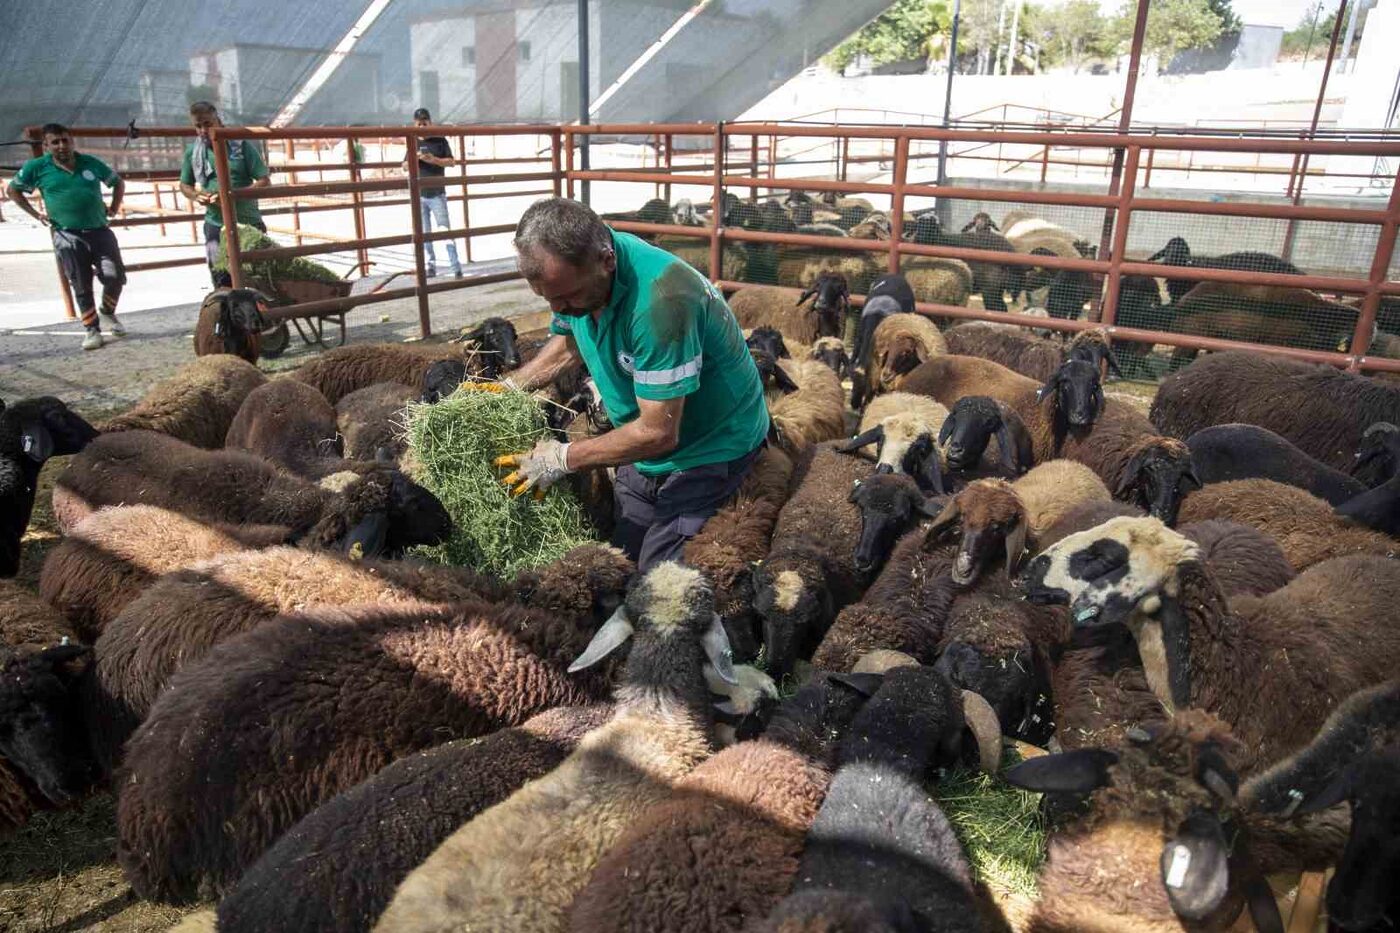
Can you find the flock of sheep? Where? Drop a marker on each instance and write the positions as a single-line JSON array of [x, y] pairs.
[[1195, 611], [1287, 316]]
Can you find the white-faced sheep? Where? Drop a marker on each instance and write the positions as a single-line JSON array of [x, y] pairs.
[[231, 321], [195, 405], [660, 731], [810, 571], [304, 707], [1307, 529], [31, 431], [108, 558], [1244, 451], [372, 420], [487, 351], [904, 429], [814, 412], [377, 509], [1274, 667], [752, 804], [1320, 409], [335, 871]]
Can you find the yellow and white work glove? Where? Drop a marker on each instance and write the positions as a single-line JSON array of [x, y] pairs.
[[543, 466]]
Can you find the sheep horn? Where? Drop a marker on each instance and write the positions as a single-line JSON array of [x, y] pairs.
[[608, 638], [874, 435], [986, 729]]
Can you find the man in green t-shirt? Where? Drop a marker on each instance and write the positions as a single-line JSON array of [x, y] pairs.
[[71, 185], [200, 184], [669, 361]]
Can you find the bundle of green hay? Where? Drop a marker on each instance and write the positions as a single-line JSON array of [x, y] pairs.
[[268, 272], [1001, 828], [452, 445]]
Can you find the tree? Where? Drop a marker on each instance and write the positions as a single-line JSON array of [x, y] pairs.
[[1172, 26], [904, 32], [1071, 33], [1230, 22]]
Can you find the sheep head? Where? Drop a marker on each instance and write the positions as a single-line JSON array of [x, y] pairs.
[[495, 338], [981, 222], [776, 381], [994, 524], [831, 299], [42, 732], [890, 504], [1157, 477], [904, 444], [586, 583], [240, 315], [1092, 347], [901, 358], [1177, 252], [794, 605], [770, 340], [442, 379], [1379, 457], [831, 352], [1075, 394], [986, 650], [1163, 807], [970, 426]]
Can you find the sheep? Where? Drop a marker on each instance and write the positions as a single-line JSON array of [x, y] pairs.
[[111, 556], [195, 405], [938, 280], [695, 252], [1243, 451], [1177, 252], [1019, 352], [1307, 528], [351, 689], [810, 571], [1272, 666], [752, 804], [1293, 317], [879, 835], [31, 431], [775, 379], [905, 430], [813, 413], [44, 761], [1163, 844], [768, 339], [890, 294], [185, 613], [1378, 458], [371, 420], [1355, 758], [969, 427], [290, 424], [378, 509], [831, 353], [1092, 346], [999, 519], [898, 345], [801, 266], [1320, 409], [875, 226], [231, 321], [757, 306], [336, 870], [487, 351], [1245, 560], [989, 279], [660, 731], [1377, 509], [737, 537]]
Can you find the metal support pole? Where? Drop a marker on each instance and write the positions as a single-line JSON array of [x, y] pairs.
[[1380, 268], [670, 142], [1351, 31], [1125, 119], [555, 156], [717, 210], [901, 175], [948, 101], [583, 86], [227, 207], [753, 163], [358, 200], [1300, 163], [420, 269], [569, 164], [1109, 308], [466, 201]]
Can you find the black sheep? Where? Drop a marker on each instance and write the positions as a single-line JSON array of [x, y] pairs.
[[990, 279], [31, 431], [1177, 252], [1244, 451]]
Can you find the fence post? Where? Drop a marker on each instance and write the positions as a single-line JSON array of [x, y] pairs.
[[901, 175], [1300, 164], [1108, 311], [358, 200], [227, 206], [160, 208], [1380, 268], [569, 160], [466, 200], [717, 208], [1125, 116], [753, 165], [845, 157], [555, 159], [420, 269], [772, 156], [670, 160]]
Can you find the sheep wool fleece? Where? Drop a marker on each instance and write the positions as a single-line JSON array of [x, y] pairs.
[[667, 333]]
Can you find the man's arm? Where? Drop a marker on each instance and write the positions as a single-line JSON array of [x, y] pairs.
[[22, 199], [655, 433], [557, 355], [118, 192]]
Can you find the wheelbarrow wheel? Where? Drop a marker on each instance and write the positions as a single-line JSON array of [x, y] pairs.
[[275, 340]]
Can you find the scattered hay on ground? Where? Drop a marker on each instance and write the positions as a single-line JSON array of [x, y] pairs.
[[1000, 826]]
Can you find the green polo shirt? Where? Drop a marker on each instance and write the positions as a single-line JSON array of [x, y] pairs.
[[667, 333], [73, 199], [245, 164]]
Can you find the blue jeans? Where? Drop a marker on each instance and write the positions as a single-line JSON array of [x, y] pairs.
[[433, 208]]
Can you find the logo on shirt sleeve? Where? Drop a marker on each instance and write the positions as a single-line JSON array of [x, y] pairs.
[[87, 173], [628, 362]]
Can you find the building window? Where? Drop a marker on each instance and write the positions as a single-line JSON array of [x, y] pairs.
[[468, 55], [524, 51]]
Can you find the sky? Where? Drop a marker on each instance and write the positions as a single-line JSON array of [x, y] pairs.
[[1259, 12]]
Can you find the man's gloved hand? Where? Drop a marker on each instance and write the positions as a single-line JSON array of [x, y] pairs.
[[543, 466]]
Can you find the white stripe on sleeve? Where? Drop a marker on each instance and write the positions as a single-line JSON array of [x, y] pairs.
[[665, 377]]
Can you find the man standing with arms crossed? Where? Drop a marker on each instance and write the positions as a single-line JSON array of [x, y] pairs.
[[670, 363], [70, 183]]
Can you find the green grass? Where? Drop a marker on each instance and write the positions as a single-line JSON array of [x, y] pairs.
[[267, 273], [454, 443], [1000, 826]]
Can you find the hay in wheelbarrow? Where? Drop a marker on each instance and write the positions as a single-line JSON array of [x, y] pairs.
[[268, 273], [451, 446]]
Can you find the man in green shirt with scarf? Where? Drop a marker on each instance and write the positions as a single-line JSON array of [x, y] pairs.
[[200, 184]]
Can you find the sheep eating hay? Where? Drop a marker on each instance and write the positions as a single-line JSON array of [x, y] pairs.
[[454, 443]]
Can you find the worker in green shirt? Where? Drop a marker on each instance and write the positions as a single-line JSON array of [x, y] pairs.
[[670, 363], [200, 184], [71, 185]]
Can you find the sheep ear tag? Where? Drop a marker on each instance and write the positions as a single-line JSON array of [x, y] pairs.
[[36, 442], [1196, 867], [715, 641], [608, 639]]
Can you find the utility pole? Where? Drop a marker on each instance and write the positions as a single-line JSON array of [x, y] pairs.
[[948, 106], [583, 86], [1011, 46]]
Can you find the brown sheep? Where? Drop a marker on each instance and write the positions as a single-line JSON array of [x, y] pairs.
[[291, 424], [108, 558], [814, 413], [1018, 351], [757, 306], [938, 280], [801, 266], [901, 342], [231, 321], [195, 405], [1306, 527], [371, 419], [1273, 666]]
